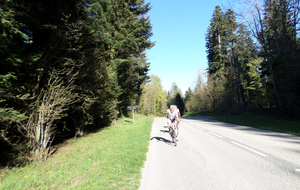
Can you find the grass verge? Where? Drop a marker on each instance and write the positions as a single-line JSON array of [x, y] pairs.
[[256, 121], [111, 158]]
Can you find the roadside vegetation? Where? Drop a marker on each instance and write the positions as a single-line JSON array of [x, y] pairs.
[[67, 66], [256, 121], [253, 61], [110, 158]]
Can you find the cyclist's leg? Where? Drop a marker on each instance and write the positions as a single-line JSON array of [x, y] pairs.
[[171, 131], [174, 133], [169, 123], [174, 138], [177, 127]]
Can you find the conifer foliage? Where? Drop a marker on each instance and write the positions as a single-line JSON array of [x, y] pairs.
[[94, 50], [243, 76]]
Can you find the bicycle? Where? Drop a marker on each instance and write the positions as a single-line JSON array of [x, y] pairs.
[[173, 133]]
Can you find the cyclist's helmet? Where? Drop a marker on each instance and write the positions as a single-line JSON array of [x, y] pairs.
[[172, 107]]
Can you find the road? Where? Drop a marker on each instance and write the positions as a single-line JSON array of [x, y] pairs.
[[216, 155]]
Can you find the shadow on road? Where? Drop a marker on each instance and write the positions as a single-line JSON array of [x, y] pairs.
[[164, 131], [163, 140], [168, 142]]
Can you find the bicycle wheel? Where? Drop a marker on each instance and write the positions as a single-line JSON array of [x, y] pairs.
[[174, 137]]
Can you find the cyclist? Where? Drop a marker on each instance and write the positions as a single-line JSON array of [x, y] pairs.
[[172, 116]]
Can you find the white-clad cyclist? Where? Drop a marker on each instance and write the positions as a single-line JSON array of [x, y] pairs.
[[172, 116]]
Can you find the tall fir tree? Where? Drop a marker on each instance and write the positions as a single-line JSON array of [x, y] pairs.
[[282, 63]]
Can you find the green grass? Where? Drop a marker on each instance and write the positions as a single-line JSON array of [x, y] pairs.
[[109, 159], [256, 121]]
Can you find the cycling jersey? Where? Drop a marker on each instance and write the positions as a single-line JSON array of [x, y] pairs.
[[172, 116]]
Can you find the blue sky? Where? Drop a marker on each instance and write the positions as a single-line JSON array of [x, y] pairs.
[[179, 29]]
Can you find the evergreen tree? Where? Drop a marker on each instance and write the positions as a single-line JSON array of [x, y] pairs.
[[216, 53], [227, 71], [178, 101], [216, 56], [95, 48], [188, 94], [123, 33], [176, 97], [134, 31], [282, 54]]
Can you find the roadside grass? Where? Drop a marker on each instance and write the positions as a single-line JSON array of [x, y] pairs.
[[111, 158], [256, 121]]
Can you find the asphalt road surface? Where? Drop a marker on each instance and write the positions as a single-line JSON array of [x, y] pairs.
[[216, 155]]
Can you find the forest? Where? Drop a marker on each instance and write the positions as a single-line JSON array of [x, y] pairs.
[[253, 61], [67, 66], [253, 65]]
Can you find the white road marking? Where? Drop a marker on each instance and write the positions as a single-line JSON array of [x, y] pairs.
[[215, 134], [249, 149], [298, 170]]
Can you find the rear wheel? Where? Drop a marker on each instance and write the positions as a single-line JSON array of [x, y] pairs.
[[172, 135]]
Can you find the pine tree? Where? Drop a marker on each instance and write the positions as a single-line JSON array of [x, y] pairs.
[[282, 57], [123, 33], [227, 77], [214, 43]]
